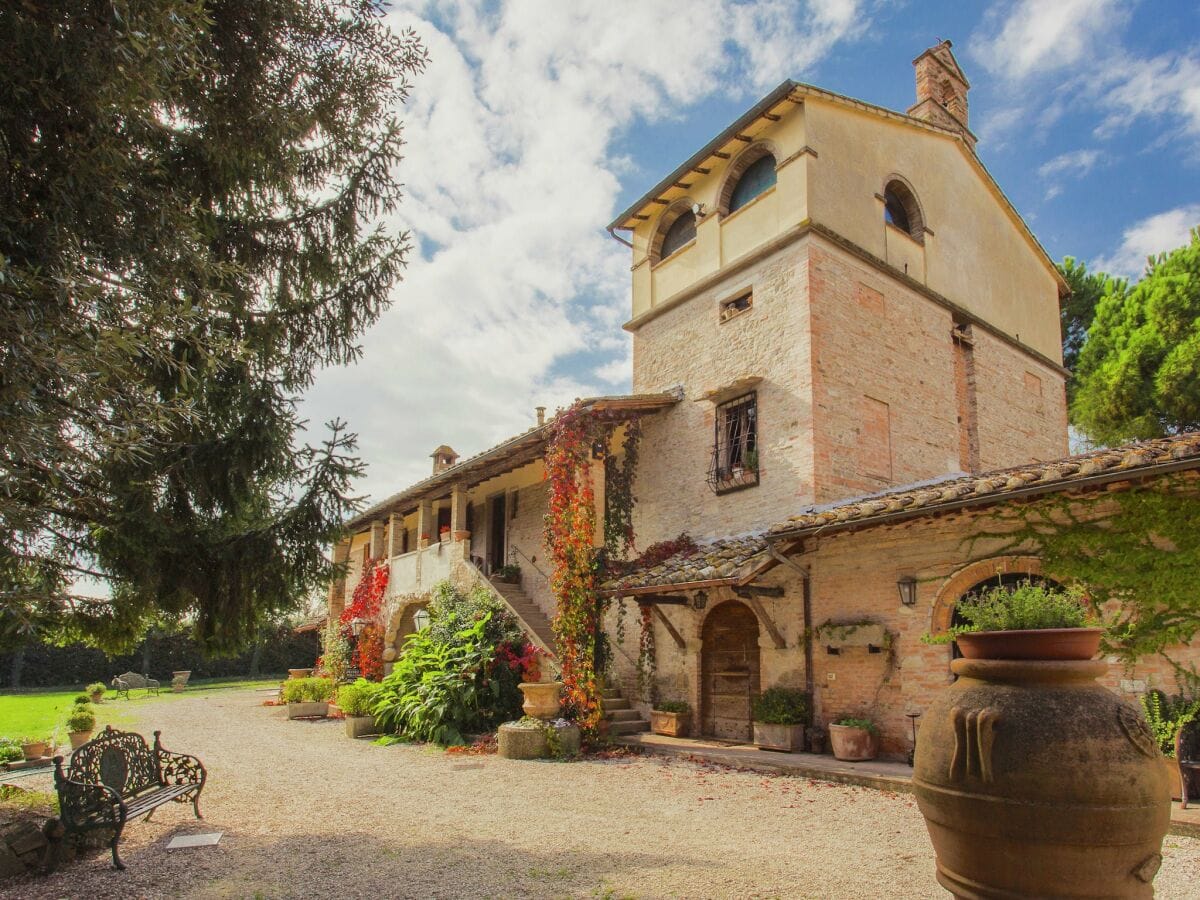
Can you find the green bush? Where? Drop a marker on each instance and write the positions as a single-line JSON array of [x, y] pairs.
[[783, 706], [1028, 606], [81, 699], [10, 751], [864, 724], [358, 699], [82, 718], [97, 687], [307, 690], [1166, 715], [448, 681], [672, 706]]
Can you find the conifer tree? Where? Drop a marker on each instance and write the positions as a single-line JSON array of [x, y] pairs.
[[195, 202]]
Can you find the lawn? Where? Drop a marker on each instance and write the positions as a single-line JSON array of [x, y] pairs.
[[37, 714]]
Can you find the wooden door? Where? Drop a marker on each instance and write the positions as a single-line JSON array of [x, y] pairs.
[[496, 527], [729, 671]]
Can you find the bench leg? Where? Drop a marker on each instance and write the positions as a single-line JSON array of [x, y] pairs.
[[149, 814], [196, 805], [117, 864]]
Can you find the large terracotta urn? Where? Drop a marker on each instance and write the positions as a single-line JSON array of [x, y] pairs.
[[541, 698], [1035, 781]]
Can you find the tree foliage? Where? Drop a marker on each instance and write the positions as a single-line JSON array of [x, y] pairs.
[[1078, 310], [192, 222], [1139, 370]]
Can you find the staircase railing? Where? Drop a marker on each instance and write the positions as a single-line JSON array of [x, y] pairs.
[[497, 595], [514, 549]]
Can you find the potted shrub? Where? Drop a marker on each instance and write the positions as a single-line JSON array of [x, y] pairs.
[[95, 691], [780, 715], [34, 748], [357, 702], [671, 717], [509, 574], [307, 697], [80, 724], [10, 751], [1016, 756], [854, 739]]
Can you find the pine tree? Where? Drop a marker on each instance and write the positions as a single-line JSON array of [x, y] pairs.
[[193, 221]]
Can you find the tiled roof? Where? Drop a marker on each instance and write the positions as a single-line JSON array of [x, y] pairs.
[[715, 561], [1133, 460]]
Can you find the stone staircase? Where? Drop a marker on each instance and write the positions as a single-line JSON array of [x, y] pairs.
[[529, 613], [622, 717]]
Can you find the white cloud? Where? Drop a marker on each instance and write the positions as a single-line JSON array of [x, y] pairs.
[[1149, 237], [1163, 87], [1034, 36], [512, 171], [1076, 164]]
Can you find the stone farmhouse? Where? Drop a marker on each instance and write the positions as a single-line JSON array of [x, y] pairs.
[[846, 357]]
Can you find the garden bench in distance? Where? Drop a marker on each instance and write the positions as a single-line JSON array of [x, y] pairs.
[[1187, 756], [123, 684], [116, 777]]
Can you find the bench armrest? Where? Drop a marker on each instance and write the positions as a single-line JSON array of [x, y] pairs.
[[87, 805], [178, 768]]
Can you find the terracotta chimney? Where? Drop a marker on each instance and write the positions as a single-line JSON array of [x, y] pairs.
[[443, 458], [942, 91], [541, 414]]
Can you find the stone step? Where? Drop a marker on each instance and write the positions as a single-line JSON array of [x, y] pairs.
[[623, 715], [611, 694], [632, 727], [613, 704]]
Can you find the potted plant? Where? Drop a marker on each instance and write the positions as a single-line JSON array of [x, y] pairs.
[[1030, 622], [80, 724], [509, 574], [34, 748], [854, 739], [671, 717], [357, 702], [444, 533], [96, 691], [1015, 757], [780, 715], [307, 697]]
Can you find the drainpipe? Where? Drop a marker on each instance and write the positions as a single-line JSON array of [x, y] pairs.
[[617, 237]]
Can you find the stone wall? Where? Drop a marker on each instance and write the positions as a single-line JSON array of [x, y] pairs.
[[525, 531]]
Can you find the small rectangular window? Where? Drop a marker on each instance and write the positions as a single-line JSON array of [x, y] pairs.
[[734, 462], [736, 306]]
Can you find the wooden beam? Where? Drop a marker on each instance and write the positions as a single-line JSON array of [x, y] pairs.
[[682, 184], [675, 635], [659, 589], [665, 599], [743, 137], [641, 218], [771, 117], [700, 170], [661, 200], [719, 155], [758, 590], [755, 605]]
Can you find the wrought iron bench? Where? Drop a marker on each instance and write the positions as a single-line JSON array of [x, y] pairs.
[[1187, 755], [123, 684], [116, 777]]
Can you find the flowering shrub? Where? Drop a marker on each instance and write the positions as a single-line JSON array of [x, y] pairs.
[[365, 652], [521, 659]]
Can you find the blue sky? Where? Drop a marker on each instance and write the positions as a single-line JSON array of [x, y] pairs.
[[538, 121]]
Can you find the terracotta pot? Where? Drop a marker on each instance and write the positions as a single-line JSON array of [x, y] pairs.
[[853, 744], [299, 673], [670, 724], [779, 737], [541, 698], [97, 696], [1033, 761], [1041, 643], [34, 749], [79, 738], [1172, 770]]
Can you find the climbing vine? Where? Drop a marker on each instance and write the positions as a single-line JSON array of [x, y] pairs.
[[581, 438], [1136, 553], [647, 663], [365, 604]]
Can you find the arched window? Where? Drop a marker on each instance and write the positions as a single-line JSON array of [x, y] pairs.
[[679, 233], [758, 177], [1009, 581], [900, 209]]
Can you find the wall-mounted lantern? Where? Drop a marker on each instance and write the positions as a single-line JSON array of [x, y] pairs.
[[357, 626], [908, 590], [699, 601]]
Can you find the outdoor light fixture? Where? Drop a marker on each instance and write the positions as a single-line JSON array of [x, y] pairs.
[[700, 600], [908, 590], [357, 626], [420, 619]]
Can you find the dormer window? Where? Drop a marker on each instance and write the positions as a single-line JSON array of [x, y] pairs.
[[679, 234], [901, 210], [758, 178]]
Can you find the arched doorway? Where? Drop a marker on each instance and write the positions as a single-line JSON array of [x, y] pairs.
[[729, 671]]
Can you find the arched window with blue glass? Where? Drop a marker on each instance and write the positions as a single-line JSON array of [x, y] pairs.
[[676, 230], [749, 177], [902, 210]]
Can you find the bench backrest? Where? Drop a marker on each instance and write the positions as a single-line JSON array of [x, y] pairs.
[[119, 759], [133, 679], [1187, 742]]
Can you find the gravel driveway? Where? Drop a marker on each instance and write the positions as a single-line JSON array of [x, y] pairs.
[[308, 813]]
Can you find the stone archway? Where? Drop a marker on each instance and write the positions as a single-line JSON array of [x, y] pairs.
[[401, 624], [970, 576], [730, 668]]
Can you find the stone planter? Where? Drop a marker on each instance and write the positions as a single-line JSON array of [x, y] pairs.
[[1033, 761], [299, 673], [517, 741], [853, 744], [779, 737], [670, 724], [35, 749], [308, 710], [360, 726], [541, 698], [79, 738], [97, 696], [1041, 643]]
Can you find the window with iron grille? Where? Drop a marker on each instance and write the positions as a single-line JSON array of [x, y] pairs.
[[735, 448]]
